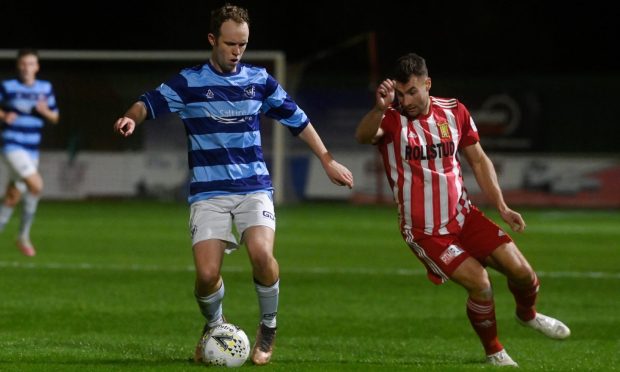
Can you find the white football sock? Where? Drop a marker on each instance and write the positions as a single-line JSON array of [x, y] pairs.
[[268, 302], [5, 216], [30, 208], [211, 306]]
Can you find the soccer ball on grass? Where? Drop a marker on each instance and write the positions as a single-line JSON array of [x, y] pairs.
[[225, 345]]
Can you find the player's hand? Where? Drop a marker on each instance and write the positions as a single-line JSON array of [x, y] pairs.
[[10, 117], [125, 126], [41, 107], [514, 219], [385, 94], [339, 174]]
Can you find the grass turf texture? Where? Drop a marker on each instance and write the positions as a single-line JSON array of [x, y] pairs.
[[111, 289]]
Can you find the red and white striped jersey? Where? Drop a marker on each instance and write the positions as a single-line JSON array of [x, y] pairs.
[[423, 168]]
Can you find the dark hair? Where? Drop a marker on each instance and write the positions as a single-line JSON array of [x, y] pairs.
[[409, 64], [226, 12], [27, 52]]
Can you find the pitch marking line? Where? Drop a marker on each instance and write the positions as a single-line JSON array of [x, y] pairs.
[[309, 270]]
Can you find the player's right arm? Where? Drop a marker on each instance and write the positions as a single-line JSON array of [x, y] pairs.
[[369, 129], [126, 124], [7, 116]]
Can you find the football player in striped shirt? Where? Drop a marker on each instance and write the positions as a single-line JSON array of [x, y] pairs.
[[220, 103], [418, 136], [26, 104]]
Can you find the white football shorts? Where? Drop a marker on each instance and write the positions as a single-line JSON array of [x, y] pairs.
[[21, 165], [213, 218]]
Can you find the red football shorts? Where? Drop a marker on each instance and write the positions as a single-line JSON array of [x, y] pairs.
[[442, 254]]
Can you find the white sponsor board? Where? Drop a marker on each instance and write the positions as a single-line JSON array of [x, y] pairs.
[[557, 180], [108, 174]]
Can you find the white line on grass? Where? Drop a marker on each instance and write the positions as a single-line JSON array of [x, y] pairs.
[[295, 270]]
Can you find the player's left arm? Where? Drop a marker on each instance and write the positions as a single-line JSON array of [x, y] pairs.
[[337, 173], [487, 179], [49, 115]]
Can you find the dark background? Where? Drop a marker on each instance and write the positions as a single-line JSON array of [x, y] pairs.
[[467, 37], [556, 62]]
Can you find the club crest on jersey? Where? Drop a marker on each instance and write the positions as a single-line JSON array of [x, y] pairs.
[[444, 130], [450, 254], [250, 91], [209, 94]]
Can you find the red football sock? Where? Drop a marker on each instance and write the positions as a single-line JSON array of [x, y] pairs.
[[481, 315], [525, 299]]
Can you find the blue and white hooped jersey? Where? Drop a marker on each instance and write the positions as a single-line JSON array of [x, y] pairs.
[[221, 117], [25, 132]]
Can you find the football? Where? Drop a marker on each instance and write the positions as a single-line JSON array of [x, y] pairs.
[[226, 345]]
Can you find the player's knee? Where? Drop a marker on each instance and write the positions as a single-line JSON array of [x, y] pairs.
[[265, 269], [36, 188], [34, 184], [522, 275], [480, 288], [208, 276], [482, 292], [12, 198]]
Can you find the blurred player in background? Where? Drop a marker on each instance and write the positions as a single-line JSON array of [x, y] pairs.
[[26, 104], [418, 136], [219, 103]]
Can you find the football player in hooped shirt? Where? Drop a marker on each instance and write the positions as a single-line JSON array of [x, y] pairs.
[[418, 136], [26, 105], [219, 103]]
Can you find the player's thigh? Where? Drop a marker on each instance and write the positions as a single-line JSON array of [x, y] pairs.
[[259, 241], [256, 210], [211, 219], [208, 257], [508, 260], [34, 183], [21, 164], [472, 276], [441, 255]]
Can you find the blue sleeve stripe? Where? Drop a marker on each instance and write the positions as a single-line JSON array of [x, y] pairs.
[[276, 99], [149, 109], [228, 140], [286, 110], [297, 130], [281, 107], [249, 184], [156, 104], [175, 103], [228, 172], [296, 119], [197, 126], [270, 86], [230, 157]]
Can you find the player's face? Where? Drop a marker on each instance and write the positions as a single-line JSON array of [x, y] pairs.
[[27, 67], [229, 46], [413, 96]]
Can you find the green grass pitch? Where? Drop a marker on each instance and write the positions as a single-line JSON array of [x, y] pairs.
[[111, 289]]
